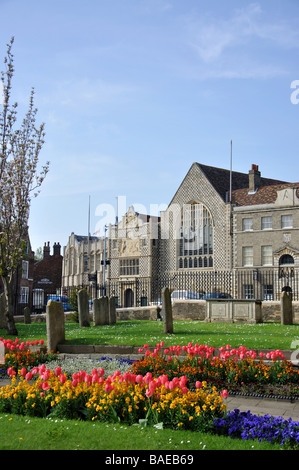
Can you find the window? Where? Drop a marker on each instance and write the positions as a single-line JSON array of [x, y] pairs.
[[129, 267], [247, 256], [286, 221], [248, 292], [195, 246], [266, 223], [267, 256], [268, 292], [25, 265], [247, 224], [24, 294], [285, 260]]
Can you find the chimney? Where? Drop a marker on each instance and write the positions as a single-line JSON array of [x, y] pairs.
[[56, 249], [254, 178], [46, 250]]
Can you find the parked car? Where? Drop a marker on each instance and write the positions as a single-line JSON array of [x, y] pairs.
[[185, 295], [60, 298], [217, 295]]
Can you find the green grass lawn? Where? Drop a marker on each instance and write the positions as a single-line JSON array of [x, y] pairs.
[[24, 433], [140, 332]]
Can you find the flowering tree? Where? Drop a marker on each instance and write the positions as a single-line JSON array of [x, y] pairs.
[[20, 180]]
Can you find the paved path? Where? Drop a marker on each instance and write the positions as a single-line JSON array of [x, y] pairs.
[[263, 406]]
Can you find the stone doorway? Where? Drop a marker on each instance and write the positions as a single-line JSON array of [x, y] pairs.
[[129, 298]]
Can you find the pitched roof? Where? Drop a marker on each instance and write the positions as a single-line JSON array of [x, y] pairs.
[[220, 179], [264, 194]]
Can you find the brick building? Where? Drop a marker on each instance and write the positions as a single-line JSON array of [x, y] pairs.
[[47, 276]]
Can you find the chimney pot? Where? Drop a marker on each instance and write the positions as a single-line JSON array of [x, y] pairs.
[[254, 178]]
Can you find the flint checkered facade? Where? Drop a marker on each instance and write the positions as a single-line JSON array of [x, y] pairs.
[[217, 224]]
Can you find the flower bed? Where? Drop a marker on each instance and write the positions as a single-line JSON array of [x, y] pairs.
[[20, 354], [161, 389], [237, 370]]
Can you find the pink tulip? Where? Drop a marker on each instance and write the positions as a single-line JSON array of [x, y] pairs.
[[45, 386], [198, 384], [62, 378], [101, 372], [28, 376], [139, 379], [58, 371], [224, 394], [23, 371]]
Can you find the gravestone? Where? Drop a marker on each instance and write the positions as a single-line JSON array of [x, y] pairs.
[[27, 316], [112, 311], [101, 311], [55, 324], [286, 307], [166, 312], [83, 308], [3, 321]]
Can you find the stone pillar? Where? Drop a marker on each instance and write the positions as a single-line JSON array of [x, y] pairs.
[[101, 311], [166, 312], [286, 308], [83, 308], [112, 311], [3, 321], [55, 324], [27, 316]]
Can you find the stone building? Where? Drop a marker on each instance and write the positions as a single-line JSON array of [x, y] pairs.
[[223, 232]]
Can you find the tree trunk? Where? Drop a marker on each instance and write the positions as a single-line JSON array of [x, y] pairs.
[[8, 291]]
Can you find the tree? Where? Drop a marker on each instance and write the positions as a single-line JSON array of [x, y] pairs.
[[20, 180]]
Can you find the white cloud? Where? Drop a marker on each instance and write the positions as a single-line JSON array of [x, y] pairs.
[[230, 47]]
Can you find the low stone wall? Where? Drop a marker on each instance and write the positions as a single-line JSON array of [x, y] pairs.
[[181, 310]]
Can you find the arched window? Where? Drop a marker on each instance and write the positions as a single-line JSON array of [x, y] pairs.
[[196, 237], [286, 259]]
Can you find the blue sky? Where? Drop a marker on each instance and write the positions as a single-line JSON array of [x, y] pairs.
[[132, 92]]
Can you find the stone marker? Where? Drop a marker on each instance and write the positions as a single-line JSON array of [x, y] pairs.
[[27, 316], [3, 321], [83, 308], [112, 311], [55, 324], [166, 312], [101, 311], [286, 307]]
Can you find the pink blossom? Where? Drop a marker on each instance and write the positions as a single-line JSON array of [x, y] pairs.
[[224, 394], [198, 384], [23, 371]]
